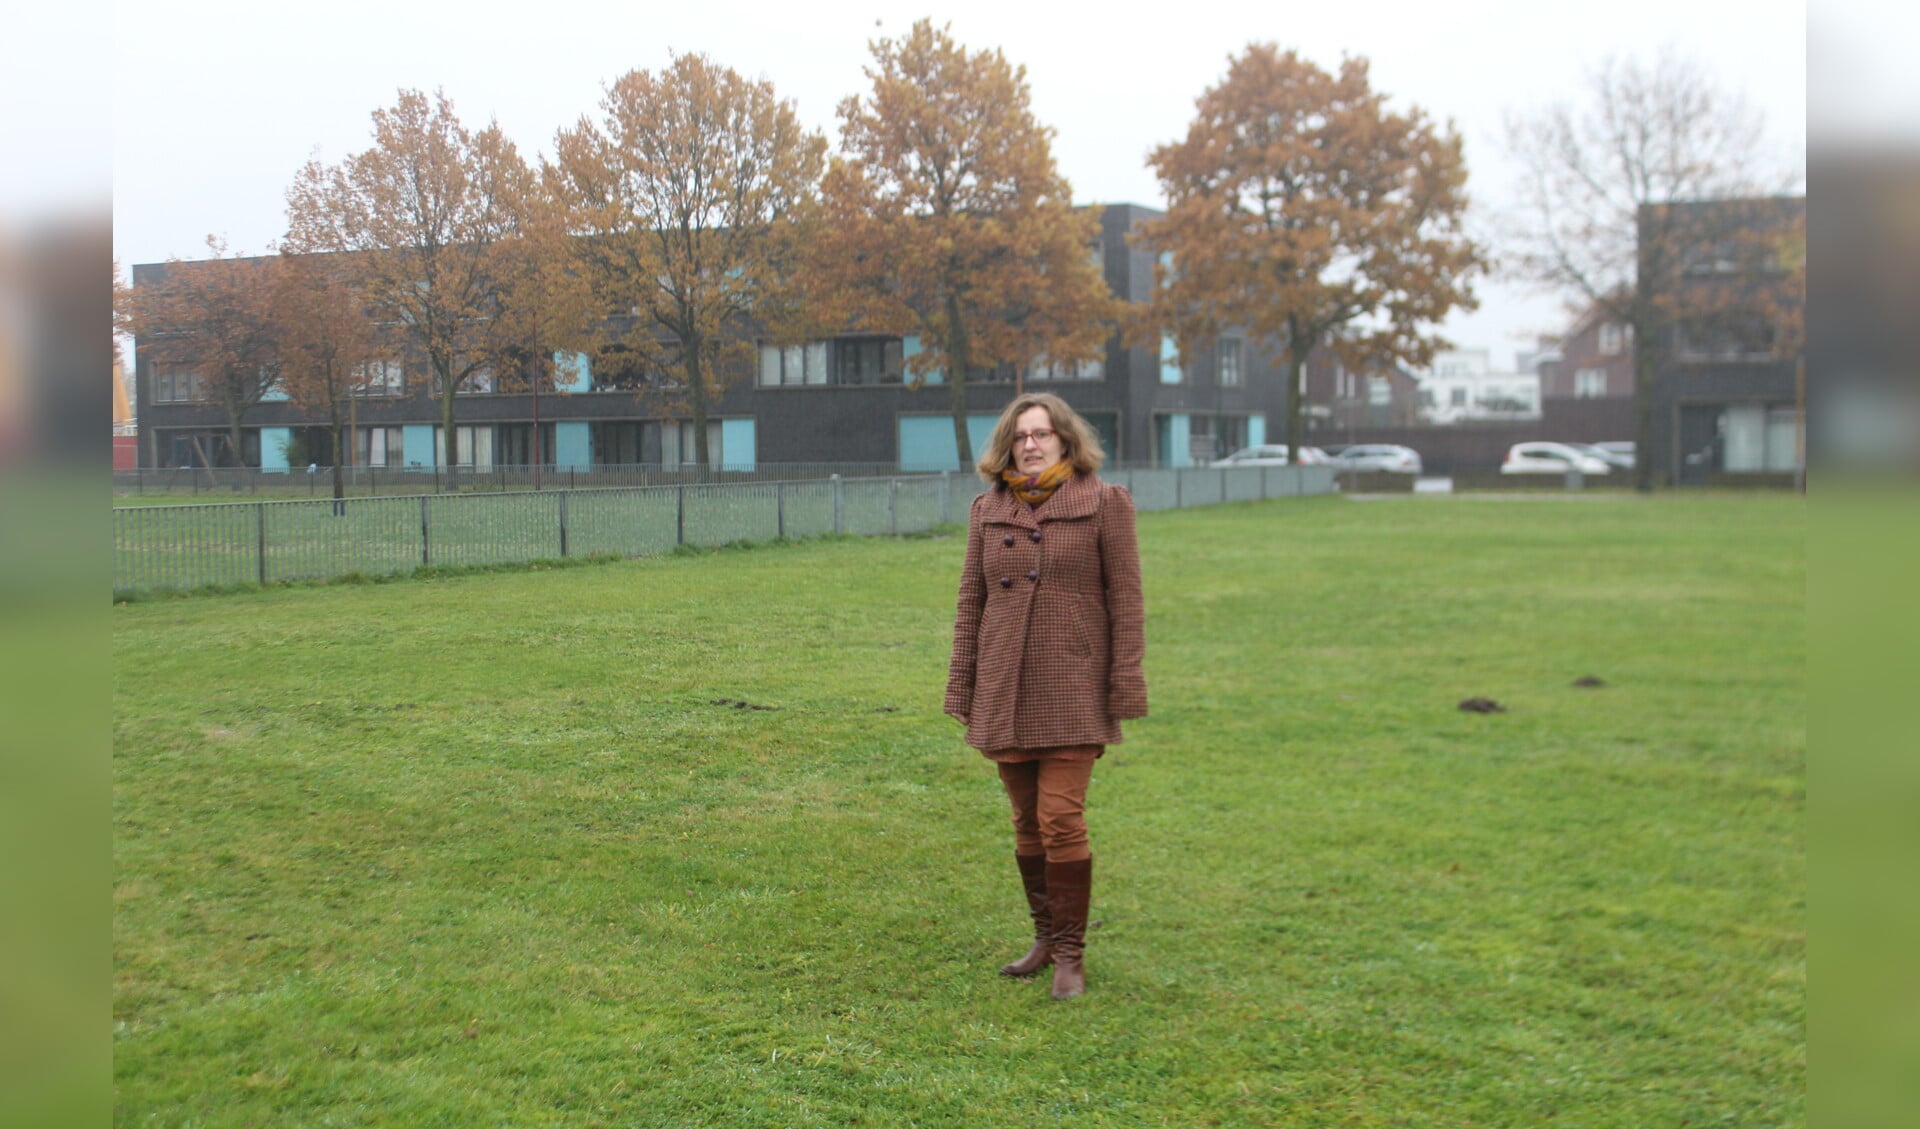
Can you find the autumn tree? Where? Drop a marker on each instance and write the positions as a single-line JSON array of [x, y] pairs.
[[329, 340], [1305, 212], [431, 214], [690, 198], [1602, 216], [947, 220], [212, 318]]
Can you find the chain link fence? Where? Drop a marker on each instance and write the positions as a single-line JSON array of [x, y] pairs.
[[199, 545], [217, 483]]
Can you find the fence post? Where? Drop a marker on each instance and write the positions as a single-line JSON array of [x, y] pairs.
[[893, 518], [426, 550], [563, 523], [1179, 489], [1223, 485], [260, 537], [680, 514], [780, 509], [839, 504], [946, 497]]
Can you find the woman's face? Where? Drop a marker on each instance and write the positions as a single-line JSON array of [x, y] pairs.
[[1036, 445]]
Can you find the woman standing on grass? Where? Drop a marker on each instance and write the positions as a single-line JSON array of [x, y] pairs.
[[1047, 644]]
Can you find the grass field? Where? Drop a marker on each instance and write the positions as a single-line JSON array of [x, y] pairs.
[[505, 849]]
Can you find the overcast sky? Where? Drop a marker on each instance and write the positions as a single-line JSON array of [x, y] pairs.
[[216, 103]]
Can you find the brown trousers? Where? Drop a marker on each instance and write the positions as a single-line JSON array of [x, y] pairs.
[[1049, 798]]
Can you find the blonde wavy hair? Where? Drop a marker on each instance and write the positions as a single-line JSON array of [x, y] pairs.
[[1082, 442]]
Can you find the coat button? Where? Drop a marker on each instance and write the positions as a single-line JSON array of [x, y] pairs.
[[1006, 582], [1007, 540], [1034, 536], [1033, 574]]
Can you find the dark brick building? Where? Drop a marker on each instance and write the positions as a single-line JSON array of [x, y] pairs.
[[841, 400]]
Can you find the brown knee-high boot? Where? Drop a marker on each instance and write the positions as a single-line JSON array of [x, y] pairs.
[[1033, 875], [1069, 888]]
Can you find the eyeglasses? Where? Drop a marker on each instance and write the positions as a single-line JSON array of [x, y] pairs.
[[1038, 435]]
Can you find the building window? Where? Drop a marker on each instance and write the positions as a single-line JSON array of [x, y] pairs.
[[176, 385], [1045, 369], [1230, 355], [1457, 397], [478, 382], [850, 361], [793, 364], [513, 444], [1612, 339], [866, 361], [378, 447], [621, 368], [1590, 383], [1379, 391], [677, 446], [379, 378], [619, 442], [1733, 338]]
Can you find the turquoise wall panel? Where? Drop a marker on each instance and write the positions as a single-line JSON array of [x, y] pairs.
[[1169, 360], [1256, 429], [573, 372], [273, 449], [416, 445], [910, 346], [573, 444], [1175, 451], [926, 442], [737, 444]]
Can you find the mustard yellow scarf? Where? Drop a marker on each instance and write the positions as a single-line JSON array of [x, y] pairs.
[[1035, 489]]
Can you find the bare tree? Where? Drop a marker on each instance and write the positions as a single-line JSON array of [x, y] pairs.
[[1593, 221]]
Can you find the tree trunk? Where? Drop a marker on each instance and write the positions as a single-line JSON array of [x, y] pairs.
[[957, 381], [697, 399], [449, 442], [1296, 363], [234, 414], [1643, 358], [339, 479]]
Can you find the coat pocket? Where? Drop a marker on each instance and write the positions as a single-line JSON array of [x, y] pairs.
[[1082, 631]]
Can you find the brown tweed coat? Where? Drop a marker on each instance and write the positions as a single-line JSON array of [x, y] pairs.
[[1050, 627]]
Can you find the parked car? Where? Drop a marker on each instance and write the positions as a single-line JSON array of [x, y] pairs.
[[1271, 454], [1612, 458], [1621, 448], [1378, 457], [1551, 458]]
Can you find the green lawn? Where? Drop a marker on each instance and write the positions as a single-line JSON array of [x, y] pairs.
[[501, 850]]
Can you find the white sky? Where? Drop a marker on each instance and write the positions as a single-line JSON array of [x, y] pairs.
[[216, 103]]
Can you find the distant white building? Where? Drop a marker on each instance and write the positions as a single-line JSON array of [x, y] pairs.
[[1462, 386]]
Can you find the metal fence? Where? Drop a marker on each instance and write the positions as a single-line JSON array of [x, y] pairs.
[[373, 482], [194, 546]]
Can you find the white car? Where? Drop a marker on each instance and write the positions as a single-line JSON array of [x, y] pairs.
[[1378, 457], [1551, 458], [1272, 454]]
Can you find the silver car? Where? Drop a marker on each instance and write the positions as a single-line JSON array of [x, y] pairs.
[[1271, 454], [1386, 457]]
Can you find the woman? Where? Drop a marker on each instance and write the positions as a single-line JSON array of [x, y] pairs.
[[1047, 644]]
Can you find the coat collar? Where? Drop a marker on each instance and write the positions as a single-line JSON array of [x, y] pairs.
[[1077, 497]]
